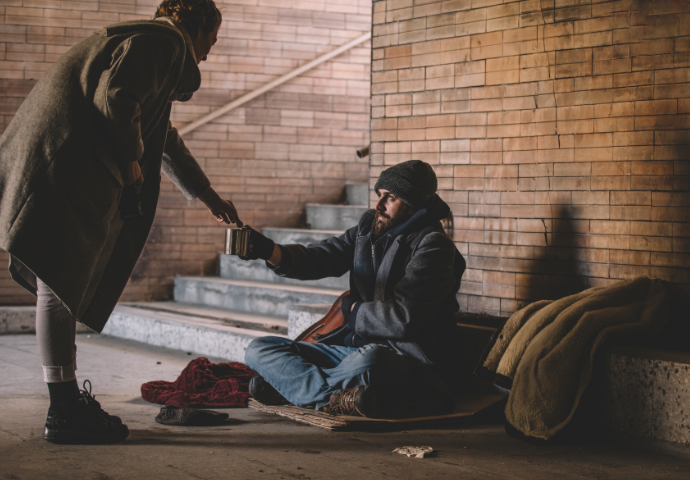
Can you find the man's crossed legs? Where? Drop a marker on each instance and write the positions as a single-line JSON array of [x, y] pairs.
[[308, 374]]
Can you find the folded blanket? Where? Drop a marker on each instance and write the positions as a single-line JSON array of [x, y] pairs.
[[203, 384], [547, 348]]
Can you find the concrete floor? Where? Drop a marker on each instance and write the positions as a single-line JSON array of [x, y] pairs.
[[257, 445]]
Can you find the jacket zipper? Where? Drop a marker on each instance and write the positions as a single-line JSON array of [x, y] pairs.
[[373, 257]]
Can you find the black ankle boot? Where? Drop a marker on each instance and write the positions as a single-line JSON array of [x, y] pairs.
[[264, 392], [83, 423]]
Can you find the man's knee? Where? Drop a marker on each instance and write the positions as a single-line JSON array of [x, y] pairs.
[[260, 347]]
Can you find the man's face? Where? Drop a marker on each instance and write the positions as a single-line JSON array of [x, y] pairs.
[[390, 212]]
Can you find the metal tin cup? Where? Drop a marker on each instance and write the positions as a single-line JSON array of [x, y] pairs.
[[237, 241]]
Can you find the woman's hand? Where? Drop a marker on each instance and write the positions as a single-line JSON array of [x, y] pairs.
[[222, 210], [133, 174]]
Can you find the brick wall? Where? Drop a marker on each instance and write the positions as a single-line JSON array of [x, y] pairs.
[[559, 132], [288, 147]]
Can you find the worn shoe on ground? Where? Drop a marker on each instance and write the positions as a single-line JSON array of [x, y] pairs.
[[86, 423], [264, 392], [358, 402], [193, 417]]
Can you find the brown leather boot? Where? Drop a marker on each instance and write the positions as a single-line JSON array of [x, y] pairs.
[[358, 402]]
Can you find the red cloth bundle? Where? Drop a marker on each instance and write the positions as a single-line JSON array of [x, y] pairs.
[[203, 384]]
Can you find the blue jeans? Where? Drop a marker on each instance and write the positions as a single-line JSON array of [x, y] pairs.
[[306, 374]]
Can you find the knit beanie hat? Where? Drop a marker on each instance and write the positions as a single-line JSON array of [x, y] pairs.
[[414, 182]]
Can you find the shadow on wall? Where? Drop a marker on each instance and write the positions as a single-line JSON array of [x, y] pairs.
[[557, 271], [655, 208]]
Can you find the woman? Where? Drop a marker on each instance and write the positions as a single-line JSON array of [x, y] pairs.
[[80, 171]]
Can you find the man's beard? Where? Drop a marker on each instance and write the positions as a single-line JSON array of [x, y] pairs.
[[387, 223]]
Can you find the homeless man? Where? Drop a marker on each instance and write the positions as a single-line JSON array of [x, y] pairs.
[[392, 357]]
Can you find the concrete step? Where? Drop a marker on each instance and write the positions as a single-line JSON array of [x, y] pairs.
[[19, 319], [303, 316], [230, 318], [333, 217], [255, 297], [357, 194], [201, 331], [233, 268], [648, 394], [22, 319], [300, 236]]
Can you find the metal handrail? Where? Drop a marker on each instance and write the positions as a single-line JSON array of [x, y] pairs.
[[278, 81]]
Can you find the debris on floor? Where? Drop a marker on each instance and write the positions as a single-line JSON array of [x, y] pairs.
[[416, 452]]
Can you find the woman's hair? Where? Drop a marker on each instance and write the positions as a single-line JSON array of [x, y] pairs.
[[195, 15]]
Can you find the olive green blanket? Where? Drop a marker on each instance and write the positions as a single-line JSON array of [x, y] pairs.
[[547, 349]]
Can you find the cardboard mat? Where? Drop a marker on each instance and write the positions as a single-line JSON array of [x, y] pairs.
[[468, 406]]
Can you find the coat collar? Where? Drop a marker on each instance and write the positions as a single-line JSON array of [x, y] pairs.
[[190, 79]]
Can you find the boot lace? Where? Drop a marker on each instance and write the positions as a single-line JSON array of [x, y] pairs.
[[345, 403], [91, 402]]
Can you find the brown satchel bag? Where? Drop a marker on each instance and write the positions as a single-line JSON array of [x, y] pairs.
[[331, 321]]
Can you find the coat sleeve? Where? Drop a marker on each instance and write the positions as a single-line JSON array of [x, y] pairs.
[[140, 68], [428, 280], [332, 257], [180, 166]]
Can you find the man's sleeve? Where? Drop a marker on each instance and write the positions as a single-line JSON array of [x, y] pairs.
[[140, 69], [429, 279], [180, 166], [330, 258]]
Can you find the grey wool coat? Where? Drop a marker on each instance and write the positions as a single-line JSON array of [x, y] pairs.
[[103, 104], [408, 303]]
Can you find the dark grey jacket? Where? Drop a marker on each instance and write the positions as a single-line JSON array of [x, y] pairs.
[[409, 304]]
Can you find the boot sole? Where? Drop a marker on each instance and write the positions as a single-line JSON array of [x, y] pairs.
[[66, 437]]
